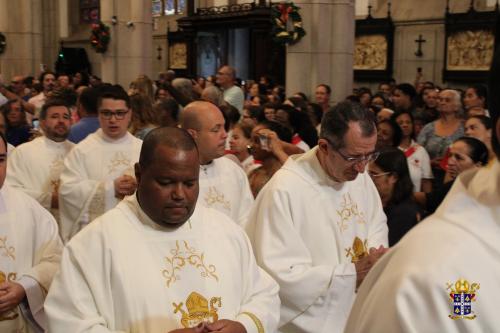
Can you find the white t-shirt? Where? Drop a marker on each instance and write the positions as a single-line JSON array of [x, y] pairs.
[[419, 164]]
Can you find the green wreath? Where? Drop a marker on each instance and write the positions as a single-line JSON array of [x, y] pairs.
[[287, 23], [100, 36]]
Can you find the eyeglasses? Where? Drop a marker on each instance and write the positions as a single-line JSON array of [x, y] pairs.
[[359, 159], [376, 175], [119, 115]]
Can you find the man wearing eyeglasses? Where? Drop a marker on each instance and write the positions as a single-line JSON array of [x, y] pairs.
[[318, 226], [98, 172], [233, 94]]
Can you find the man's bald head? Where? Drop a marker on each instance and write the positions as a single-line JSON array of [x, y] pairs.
[[193, 114], [205, 122], [171, 137]]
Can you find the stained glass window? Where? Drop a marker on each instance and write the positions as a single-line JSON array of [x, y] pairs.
[[169, 7]]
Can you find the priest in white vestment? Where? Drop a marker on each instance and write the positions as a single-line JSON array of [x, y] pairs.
[[98, 172], [223, 184], [443, 276], [30, 251], [318, 225], [35, 166], [156, 263]]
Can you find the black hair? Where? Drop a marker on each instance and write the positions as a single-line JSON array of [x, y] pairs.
[[301, 124], [397, 114], [173, 137], [478, 152], [51, 102], [283, 133], [42, 75], [256, 112], [481, 92], [407, 89], [88, 99], [486, 121], [114, 92], [397, 133], [393, 160], [327, 88], [335, 122], [169, 106]]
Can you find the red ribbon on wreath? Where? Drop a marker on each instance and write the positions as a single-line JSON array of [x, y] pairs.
[[285, 11]]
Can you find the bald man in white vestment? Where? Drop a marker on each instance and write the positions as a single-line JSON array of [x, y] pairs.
[[159, 263], [98, 172], [443, 276], [35, 166], [318, 225], [30, 251], [223, 184]]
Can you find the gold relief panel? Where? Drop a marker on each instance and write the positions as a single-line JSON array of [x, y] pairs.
[[177, 56], [370, 52], [470, 50]]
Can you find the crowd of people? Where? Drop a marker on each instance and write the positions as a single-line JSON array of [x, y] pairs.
[[204, 205]]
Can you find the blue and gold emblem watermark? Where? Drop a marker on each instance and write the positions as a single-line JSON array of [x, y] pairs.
[[462, 296]]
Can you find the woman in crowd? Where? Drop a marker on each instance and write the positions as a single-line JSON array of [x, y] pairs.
[[479, 127], [304, 133], [438, 135], [465, 153], [144, 86], [475, 100], [417, 157], [161, 94], [268, 141], [390, 175], [403, 97], [18, 130], [252, 115], [388, 134], [144, 118], [240, 144]]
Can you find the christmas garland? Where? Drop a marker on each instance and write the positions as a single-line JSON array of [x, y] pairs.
[[287, 23], [99, 38]]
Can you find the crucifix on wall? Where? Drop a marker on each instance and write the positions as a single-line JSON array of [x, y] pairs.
[[419, 41]]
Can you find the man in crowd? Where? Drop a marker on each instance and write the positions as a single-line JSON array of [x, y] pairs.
[[87, 110], [98, 172], [30, 250], [318, 226], [443, 276], [223, 184], [35, 166], [322, 95], [158, 262], [48, 82], [232, 94]]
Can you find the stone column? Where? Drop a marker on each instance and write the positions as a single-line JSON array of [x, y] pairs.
[[130, 50], [325, 54], [21, 23]]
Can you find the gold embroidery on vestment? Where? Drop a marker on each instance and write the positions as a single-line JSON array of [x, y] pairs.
[[358, 250], [120, 158], [214, 197], [186, 255], [349, 210], [7, 251], [256, 320], [198, 311]]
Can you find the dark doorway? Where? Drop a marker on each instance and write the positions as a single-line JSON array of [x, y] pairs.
[[71, 60]]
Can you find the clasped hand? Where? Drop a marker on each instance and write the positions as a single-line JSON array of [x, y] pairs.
[[222, 326]]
